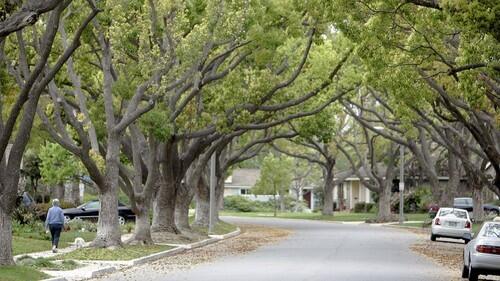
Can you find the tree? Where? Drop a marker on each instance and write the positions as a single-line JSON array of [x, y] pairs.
[[26, 70], [57, 167], [275, 178]]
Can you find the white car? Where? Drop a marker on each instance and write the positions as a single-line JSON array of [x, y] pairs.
[[482, 254], [451, 223]]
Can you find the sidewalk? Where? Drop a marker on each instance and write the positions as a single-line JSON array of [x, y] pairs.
[[95, 268]]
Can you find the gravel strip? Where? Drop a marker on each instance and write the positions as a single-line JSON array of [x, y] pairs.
[[251, 238], [446, 252]]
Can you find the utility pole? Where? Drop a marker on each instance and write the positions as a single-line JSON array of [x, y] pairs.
[[213, 201], [401, 184]]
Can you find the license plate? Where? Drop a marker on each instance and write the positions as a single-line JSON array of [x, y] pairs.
[[453, 224]]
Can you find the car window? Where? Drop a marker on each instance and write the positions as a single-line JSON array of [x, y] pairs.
[[459, 201], [453, 212], [492, 230], [93, 205], [468, 201]]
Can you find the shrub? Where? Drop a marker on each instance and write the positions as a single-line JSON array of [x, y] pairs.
[[238, 203], [363, 207]]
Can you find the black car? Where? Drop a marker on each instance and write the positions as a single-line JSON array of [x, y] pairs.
[[90, 210], [467, 204]]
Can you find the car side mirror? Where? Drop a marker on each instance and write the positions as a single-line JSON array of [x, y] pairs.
[[83, 208]]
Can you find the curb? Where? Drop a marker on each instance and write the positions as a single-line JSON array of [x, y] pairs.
[[201, 243], [228, 235], [55, 279], [103, 271], [157, 256]]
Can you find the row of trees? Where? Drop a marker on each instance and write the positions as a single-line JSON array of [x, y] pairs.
[[143, 93]]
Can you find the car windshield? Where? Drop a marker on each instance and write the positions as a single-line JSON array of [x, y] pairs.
[[453, 212], [492, 230]]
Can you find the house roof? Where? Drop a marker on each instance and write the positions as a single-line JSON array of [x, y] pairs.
[[349, 175], [243, 178]]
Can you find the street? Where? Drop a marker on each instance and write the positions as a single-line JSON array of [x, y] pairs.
[[314, 251]]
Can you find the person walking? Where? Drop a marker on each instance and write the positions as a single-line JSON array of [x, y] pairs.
[[55, 223]]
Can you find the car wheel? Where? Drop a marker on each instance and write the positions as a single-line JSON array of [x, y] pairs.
[[465, 272], [121, 220], [473, 274], [466, 241], [433, 237], [66, 219]]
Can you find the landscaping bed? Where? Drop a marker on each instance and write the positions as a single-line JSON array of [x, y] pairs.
[[127, 252]]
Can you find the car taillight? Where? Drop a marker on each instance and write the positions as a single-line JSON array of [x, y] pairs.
[[467, 224], [437, 222], [485, 249]]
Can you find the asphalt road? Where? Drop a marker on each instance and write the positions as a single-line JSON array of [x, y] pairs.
[[319, 251]]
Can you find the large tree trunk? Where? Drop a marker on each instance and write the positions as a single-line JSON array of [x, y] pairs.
[[142, 231], [202, 197], [477, 198], [74, 197], [5, 238], [328, 192], [183, 200], [164, 209], [340, 195], [384, 203], [219, 192], [108, 227], [450, 192]]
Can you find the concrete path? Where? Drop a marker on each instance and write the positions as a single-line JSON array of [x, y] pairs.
[[316, 251]]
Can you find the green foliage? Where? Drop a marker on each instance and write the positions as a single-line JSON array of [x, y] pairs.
[[57, 164], [362, 207], [21, 273], [238, 203], [275, 175]]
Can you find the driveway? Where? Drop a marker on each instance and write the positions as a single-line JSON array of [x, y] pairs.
[[316, 251]]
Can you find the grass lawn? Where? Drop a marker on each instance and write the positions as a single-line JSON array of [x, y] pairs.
[[127, 252], [220, 229], [25, 243], [20, 273], [337, 216]]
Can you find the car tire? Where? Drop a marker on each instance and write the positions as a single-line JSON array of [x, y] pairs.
[[121, 220], [466, 241], [465, 271], [67, 219], [473, 274], [433, 237]]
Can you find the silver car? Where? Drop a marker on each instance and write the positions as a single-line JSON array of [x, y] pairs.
[[451, 223], [482, 254]]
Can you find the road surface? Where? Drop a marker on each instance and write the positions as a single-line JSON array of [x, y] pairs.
[[315, 251]]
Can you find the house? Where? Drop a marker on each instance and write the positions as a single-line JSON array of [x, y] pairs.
[[243, 180]]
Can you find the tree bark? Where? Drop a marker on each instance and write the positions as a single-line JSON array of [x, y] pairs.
[[202, 197], [183, 200], [75, 193], [142, 230], [340, 195], [384, 203], [453, 181], [5, 238], [328, 191], [108, 227], [477, 201], [164, 209]]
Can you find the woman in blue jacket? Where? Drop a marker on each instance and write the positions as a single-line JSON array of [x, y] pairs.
[[55, 223]]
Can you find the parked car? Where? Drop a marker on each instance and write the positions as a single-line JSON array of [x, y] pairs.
[[90, 210], [451, 223], [466, 203], [482, 254]]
